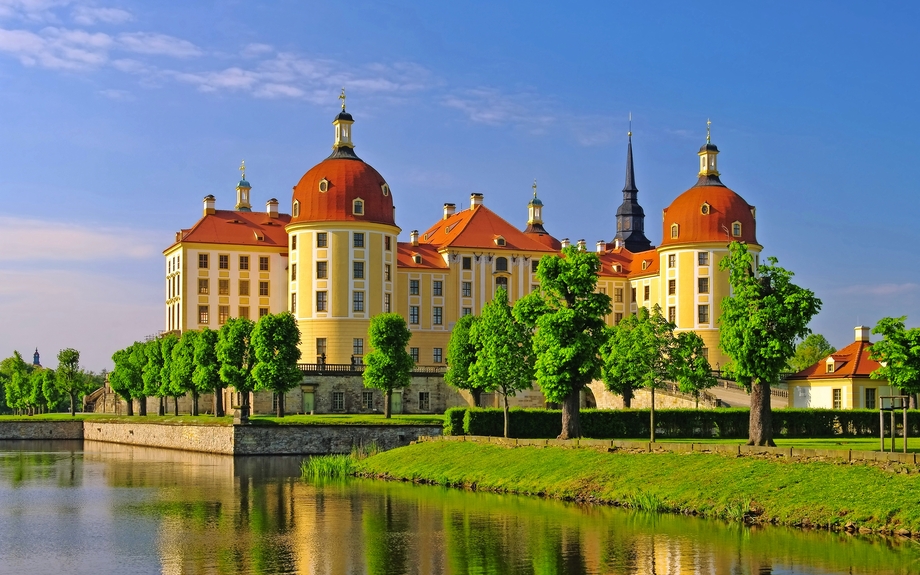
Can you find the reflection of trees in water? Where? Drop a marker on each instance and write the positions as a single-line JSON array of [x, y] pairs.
[[386, 536], [44, 462]]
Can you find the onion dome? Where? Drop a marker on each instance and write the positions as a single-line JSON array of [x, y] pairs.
[[343, 187], [709, 211]]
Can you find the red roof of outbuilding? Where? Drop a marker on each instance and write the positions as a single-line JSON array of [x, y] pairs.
[[431, 259], [349, 179], [478, 228], [725, 208], [237, 228], [854, 359]]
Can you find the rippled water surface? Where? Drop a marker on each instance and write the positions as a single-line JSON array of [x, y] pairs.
[[74, 507]]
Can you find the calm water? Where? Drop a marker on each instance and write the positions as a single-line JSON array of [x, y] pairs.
[[69, 507]]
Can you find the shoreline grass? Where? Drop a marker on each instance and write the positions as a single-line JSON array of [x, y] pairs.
[[836, 496], [336, 466]]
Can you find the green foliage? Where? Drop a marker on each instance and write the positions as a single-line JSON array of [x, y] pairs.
[[274, 342], [152, 371], [810, 351], [18, 384], [899, 350], [327, 467], [453, 420], [167, 344], [690, 368], [47, 383], [207, 369], [123, 376], [138, 357], [461, 353], [388, 366], [763, 317], [235, 354], [183, 365], [637, 351]]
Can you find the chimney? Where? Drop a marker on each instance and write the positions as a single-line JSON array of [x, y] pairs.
[[475, 200], [209, 204], [564, 242], [582, 245], [413, 237], [449, 210], [862, 333], [601, 247], [271, 208]]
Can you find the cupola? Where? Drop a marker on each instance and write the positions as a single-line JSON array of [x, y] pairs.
[[342, 125], [535, 209], [242, 191], [708, 153]]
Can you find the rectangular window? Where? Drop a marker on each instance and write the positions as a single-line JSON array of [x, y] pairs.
[[705, 353], [202, 314], [244, 262], [703, 313], [672, 314], [321, 270], [223, 314], [646, 292], [223, 287], [338, 401], [357, 346], [263, 311], [618, 295], [617, 318], [413, 314], [467, 263], [263, 263], [293, 303], [672, 259], [293, 243], [293, 272], [702, 258], [203, 286], [367, 400], [437, 287], [263, 288], [703, 285], [467, 289], [321, 301], [437, 354], [672, 287], [534, 265], [386, 243], [870, 398], [413, 287], [413, 352], [837, 398], [223, 262], [244, 287], [358, 239], [357, 301], [320, 346], [633, 294], [244, 311], [437, 316], [424, 401], [322, 240], [466, 311], [386, 272], [358, 270], [386, 303], [202, 261]]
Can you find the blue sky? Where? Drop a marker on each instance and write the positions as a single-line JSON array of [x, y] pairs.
[[118, 117]]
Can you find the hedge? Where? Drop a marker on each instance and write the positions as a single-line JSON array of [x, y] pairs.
[[672, 423]]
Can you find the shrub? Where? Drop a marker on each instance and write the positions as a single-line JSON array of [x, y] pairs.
[[453, 420]]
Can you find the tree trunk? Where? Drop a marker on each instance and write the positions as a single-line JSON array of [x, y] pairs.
[[195, 403], [280, 412], [130, 409], [386, 403], [162, 409], [651, 420], [627, 396], [142, 406], [176, 405], [73, 404], [219, 402], [912, 401], [571, 423], [477, 396], [760, 430], [507, 423]]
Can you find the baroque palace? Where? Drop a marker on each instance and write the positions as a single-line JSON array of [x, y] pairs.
[[335, 262]]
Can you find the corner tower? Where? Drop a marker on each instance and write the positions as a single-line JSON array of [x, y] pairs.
[[630, 215]]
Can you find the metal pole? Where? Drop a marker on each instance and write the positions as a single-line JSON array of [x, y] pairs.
[[881, 429], [904, 430], [892, 429]]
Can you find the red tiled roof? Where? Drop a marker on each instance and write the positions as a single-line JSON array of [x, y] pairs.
[[854, 359], [431, 259], [725, 208], [348, 180], [650, 259], [478, 228], [237, 228]]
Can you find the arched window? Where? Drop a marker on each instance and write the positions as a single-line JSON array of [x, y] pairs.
[[736, 229], [295, 209], [357, 207], [674, 231], [501, 264]]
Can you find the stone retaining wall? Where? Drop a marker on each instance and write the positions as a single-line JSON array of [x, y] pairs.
[[323, 439], [39, 429], [206, 438]]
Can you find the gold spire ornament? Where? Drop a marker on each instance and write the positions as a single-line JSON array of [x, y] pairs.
[[629, 133], [342, 98], [534, 187], [243, 170], [708, 124]]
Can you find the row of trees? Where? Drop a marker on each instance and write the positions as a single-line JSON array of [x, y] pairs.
[[30, 389], [242, 354]]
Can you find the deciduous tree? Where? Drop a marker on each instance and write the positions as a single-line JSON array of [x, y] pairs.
[[810, 351], [388, 366], [153, 372], [70, 378], [234, 352], [275, 343], [207, 368], [127, 376], [899, 354], [167, 344], [567, 314], [461, 353], [759, 325], [18, 385], [183, 366], [504, 351]]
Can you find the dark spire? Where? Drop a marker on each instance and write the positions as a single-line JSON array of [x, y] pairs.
[[630, 215]]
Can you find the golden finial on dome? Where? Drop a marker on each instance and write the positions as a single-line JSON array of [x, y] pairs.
[[342, 98], [243, 170], [534, 187], [708, 124]]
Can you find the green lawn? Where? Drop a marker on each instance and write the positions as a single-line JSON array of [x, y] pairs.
[[855, 443]]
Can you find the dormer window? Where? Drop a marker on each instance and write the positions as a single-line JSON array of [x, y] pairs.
[[830, 366], [704, 209], [500, 241], [753, 212], [736, 229], [617, 268], [324, 185], [357, 207], [295, 209], [644, 264], [385, 188], [674, 231], [417, 258]]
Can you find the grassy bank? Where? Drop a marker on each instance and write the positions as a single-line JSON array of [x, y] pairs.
[[753, 489]]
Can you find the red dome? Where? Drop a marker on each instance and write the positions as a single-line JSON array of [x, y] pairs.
[[708, 214], [346, 180]]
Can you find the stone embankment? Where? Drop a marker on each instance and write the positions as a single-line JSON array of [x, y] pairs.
[[224, 439]]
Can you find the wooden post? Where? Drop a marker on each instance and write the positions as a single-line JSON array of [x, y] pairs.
[[881, 429], [904, 429], [892, 429]]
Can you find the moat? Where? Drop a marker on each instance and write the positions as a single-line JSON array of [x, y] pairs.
[[86, 507]]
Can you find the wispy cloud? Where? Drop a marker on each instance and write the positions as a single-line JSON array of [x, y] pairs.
[[31, 10], [887, 289], [256, 50], [497, 108], [89, 16], [158, 44], [122, 95], [38, 240]]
